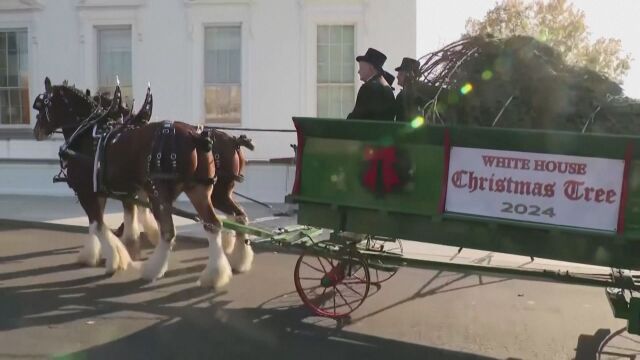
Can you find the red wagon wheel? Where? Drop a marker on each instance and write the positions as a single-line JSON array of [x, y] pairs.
[[332, 286]]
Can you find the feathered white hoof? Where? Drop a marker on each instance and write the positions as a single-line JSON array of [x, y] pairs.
[[157, 265], [131, 234], [90, 253], [228, 241], [216, 275], [218, 271], [123, 255], [241, 258], [149, 225], [112, 259]]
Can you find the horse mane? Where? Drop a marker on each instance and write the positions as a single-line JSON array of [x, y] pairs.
[[79, 94]]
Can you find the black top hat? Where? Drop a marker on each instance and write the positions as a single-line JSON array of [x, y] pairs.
[[389, 78], [409, 65], [373, 57]]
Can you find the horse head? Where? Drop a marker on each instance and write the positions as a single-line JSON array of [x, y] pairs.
[[59, 107]]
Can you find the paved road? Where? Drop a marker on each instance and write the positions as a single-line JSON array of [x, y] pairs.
[[51, 308]]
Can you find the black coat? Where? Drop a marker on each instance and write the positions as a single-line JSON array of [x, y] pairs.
[[375, 101], [411, 99]]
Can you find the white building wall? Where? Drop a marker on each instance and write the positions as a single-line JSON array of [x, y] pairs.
[[278, 70]]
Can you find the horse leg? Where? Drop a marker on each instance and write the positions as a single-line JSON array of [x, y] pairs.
[[116, 255], [156, 265], [90, 253], [218, 271], [131, 231], [220, 189], [237, 249], [148, 222]]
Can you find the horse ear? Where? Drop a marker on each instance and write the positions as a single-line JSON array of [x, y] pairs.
[[47, 85]]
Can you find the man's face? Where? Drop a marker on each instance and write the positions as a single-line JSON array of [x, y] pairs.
[[365, 70], [402, 77]]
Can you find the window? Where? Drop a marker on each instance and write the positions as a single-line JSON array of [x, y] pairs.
[[14, 79], [222, 74], [114, 58], [336, 70]]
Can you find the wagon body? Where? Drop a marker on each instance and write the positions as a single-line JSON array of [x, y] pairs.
[[335, 158]]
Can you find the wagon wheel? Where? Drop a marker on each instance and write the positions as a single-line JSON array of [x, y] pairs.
[[332, 285], [381, 271]]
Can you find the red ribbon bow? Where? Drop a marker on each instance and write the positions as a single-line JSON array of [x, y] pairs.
[[381, 175]]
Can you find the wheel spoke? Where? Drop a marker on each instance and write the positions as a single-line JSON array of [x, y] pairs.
[[309, 278], [345, 300], [311, 289], [313, 267], [334, 301], [352, 289], [322, 265]]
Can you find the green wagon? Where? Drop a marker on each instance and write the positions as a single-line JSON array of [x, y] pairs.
[[556, 195]]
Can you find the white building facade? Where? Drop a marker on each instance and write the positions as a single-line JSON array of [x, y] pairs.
[[233, 63]]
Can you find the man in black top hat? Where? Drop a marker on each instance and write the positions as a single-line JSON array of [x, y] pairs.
[[375, 99], [414, 94], [389, 78]]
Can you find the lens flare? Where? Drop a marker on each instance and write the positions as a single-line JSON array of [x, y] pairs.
[[487, 75], [417, 122], [466, 88]]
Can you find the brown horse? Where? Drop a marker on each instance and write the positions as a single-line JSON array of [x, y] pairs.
[[229, 160], [159, 161]]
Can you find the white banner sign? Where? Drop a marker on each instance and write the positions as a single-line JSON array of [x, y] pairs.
[[544, 188]]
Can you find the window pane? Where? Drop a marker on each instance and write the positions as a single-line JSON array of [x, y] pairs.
[[222, 55], [3, 59], [25, 101], [4, 107], [336, 70], [15, 108], [14, 77], [114, 57], [222, 104], [12, 58], [23, 60], [335, 54], [335, 101], [323, 64], [223, 73]]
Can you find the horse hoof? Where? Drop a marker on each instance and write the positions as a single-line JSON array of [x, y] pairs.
[[241, 258], [151, 273], [216, 277], [90, 253], [228, 241]]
